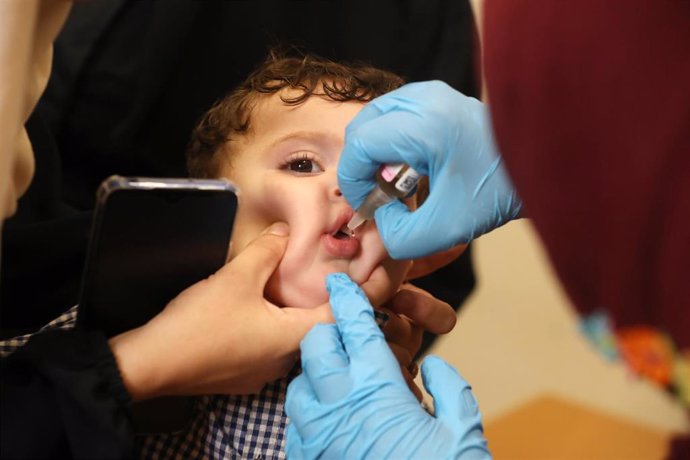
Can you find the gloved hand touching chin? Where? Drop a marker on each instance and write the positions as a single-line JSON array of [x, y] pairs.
[[445, 135], [351, 400]]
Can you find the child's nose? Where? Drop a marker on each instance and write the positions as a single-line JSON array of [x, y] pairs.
[[334, 192], [335, 195]]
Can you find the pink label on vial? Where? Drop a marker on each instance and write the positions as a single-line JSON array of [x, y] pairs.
[[388, 172]]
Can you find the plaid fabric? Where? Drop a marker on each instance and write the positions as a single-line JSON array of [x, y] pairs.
[[227, 427], [231, 427], [64, 321], [223, 427]]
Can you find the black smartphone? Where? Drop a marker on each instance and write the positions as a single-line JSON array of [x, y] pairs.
[[151, 239]]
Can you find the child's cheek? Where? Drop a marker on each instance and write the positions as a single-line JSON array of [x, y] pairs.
[[373, 252], [292, 203], [275, 204]]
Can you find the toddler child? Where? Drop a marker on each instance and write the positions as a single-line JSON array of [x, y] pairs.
[[278, 137]]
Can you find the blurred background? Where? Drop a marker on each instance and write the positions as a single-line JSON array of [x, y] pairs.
[[130, 79], [544, 390]]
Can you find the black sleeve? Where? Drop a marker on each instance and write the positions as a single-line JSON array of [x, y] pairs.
[[63, 397]]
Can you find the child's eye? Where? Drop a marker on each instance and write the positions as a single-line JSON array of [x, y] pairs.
[[303, 165]]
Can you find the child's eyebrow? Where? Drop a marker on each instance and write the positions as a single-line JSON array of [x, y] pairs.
[[320, 137]]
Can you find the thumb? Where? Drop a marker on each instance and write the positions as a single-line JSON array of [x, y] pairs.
[[453, 398], [257, 262], [301, 320]]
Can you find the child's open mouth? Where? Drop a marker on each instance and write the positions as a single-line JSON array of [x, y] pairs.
[[342, 234], [340, 244]]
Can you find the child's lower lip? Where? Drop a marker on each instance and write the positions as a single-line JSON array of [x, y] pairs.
[[345, 248]]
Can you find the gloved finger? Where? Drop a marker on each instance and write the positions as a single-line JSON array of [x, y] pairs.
[[355, 318], [402, 355], [299, 399], [293, 443], [325, 363], [405, 233], [394, 137], [453, 398]]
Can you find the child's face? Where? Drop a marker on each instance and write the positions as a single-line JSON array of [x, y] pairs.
[[285, 169]]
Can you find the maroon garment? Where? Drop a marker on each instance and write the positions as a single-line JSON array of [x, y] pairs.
[[591, 107]]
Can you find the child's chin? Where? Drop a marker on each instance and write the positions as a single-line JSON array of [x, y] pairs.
[[294, 296]]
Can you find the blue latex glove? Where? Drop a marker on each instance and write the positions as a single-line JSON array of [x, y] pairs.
[[445, 135], [351, 400]]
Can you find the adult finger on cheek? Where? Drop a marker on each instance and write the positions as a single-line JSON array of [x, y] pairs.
[[256, 263]]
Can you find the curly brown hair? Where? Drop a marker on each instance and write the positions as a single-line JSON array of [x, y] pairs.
[[309, 74]]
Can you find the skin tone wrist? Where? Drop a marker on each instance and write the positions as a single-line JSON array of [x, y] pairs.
[[133, 359]]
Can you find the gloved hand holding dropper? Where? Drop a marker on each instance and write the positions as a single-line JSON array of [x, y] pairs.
[[351, 401], [440, 133]]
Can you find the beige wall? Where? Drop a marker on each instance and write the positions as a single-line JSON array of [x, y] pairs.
[[517, 338]]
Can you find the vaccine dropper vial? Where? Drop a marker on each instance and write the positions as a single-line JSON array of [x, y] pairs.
[[392, 181]]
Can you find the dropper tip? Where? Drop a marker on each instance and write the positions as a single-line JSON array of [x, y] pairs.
[[356, 221]]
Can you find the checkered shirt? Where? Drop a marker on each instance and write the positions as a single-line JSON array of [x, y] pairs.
[[64, 321], [228, 427], [223, 427]]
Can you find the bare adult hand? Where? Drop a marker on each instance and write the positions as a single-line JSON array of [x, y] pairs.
[[426, 265], [220, 335], [404, 334]]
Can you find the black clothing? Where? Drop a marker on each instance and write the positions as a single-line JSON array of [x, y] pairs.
[[131, 78], [62, 397], [43, 245]]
